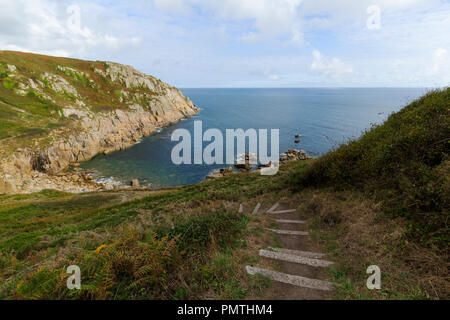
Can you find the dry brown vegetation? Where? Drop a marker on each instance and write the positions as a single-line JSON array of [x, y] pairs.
[[350, 227], [356, 234]]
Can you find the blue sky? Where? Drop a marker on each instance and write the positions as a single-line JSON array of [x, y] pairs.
[[245, 43]]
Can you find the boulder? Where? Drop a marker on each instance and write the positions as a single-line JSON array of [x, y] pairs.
[[246, 166], [243, 166], [264, 165], [222, 173], [214, 176], [111, 185], [293, 155]]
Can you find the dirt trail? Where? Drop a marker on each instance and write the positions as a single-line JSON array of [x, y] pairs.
[[285, 291]]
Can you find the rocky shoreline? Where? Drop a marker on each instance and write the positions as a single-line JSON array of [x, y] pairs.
[[34, 170], [289, 156]]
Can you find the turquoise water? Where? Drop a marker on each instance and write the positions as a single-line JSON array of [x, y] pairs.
[[324, 117]]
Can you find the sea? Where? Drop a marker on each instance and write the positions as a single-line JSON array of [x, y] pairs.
[[324, 117]]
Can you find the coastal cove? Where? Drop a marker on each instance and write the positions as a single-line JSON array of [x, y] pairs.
[[213, 159], [325, 117], [63, 111]]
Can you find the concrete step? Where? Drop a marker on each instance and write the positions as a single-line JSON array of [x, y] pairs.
[[294, 258], [291, 279], [290, 221], [306, 254], [284, 211], [273, 208], [289, 232]]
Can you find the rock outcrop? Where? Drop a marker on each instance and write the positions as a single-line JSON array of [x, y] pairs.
[[144, 104], [293, 155], [219, 174], [246, 163]]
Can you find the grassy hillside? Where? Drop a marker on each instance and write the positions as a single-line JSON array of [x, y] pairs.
[[382, 199], [184, 243], [30, 115], [404, 163], [35, 88]]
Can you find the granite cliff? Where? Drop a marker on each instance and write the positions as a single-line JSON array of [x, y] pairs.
[[57, 112]]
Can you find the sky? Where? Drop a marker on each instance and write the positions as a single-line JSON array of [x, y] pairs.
[[245, 43]]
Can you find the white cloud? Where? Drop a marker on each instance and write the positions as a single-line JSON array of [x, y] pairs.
[[330, 67], [441, 60], [352, 8], [269, 19], [250, 37], [297, 36], [173, 6], [206, 43], [332, 14], [439, 68], [56, 52], [51, 27]]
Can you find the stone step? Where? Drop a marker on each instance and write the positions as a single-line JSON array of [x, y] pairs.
[[306, 254], [294, 258], [291, 279], [289, 232], [290, 221]]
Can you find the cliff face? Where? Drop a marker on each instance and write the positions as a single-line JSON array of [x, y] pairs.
[[56, 112]]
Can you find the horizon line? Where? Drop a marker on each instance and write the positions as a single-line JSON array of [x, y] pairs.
[[184, 87]]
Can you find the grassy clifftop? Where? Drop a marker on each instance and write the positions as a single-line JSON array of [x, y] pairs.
[[35, 90]]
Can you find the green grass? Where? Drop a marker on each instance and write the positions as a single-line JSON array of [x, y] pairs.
[[25, 117], [35, 110], [9, 84], [77, 76], [201, 240], [180, 244]]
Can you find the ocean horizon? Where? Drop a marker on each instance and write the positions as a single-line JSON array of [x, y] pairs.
[[325, 117]]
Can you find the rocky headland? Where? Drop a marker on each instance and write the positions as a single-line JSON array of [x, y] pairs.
[[79, 109]]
